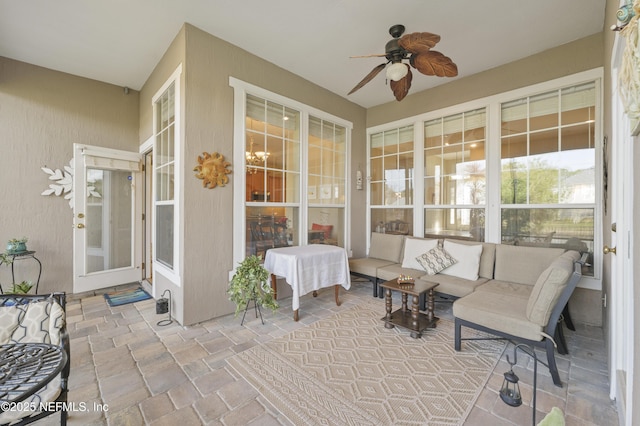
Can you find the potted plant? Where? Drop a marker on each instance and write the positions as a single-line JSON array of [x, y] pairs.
[[21, 288], [250, 282], [17, 245]]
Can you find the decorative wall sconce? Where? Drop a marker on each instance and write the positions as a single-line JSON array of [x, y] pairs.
[[163, 305], [212, 169]]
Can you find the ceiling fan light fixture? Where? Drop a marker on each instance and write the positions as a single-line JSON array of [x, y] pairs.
[[397, 71]]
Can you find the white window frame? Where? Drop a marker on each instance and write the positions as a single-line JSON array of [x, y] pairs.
[[492, 156], [173, 274], [241, 90]]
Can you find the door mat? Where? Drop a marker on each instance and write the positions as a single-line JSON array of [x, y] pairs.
[[122, 297]]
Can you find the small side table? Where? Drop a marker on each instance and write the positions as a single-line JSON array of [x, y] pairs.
[[411, 319], [30, 254]]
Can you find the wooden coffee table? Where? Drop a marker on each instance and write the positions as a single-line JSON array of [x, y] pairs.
[[413, 319]]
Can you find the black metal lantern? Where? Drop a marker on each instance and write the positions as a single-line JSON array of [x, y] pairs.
[[163, 305], [510, 392]]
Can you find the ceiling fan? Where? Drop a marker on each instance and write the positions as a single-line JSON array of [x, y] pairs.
[[417, 48]]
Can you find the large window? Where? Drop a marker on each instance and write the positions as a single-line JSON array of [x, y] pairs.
[[295, 173], [326, 181], [272, 156], [515, 168], [455, 176], [391, 191], [548, 169], [164, 170]]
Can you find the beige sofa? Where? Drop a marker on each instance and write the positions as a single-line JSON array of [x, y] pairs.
[[511, 291]]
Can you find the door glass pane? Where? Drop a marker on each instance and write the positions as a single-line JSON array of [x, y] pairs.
[[109, 220]]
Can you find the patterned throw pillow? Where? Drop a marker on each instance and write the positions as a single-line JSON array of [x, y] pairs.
[[435, 260]]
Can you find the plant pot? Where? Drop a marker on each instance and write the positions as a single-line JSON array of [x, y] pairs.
[[18, 247]]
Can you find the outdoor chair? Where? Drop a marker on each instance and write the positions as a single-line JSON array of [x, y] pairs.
[[35, 319]]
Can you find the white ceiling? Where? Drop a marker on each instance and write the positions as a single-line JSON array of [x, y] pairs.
[[120, 41]]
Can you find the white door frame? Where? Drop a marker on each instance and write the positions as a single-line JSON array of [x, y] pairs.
[[86, 156], [621, 304]]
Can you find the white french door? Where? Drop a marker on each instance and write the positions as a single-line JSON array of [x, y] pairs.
[[107, 217]]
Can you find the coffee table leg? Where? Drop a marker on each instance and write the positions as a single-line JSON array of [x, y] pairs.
[[415, 333], [274, 286], [337, 291], [404, 301], [430, 306], [387, 303]]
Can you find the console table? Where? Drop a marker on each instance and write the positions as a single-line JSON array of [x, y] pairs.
[[308, 268], [30, 254]]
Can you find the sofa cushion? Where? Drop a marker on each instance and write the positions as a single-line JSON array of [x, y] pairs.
[[367, 266], [435, 260], [391, 272], [502, 312], [487, 258], [523, 264], [549, 286], [414, 247], [453, 286], [386, 246], [468, 260], [497, 286]]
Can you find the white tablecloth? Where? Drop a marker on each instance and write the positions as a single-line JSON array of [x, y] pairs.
[[308, 268]]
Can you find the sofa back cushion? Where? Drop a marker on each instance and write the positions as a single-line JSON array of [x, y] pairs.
[[549, 286], [522, 265], [413, 249], [468, 260], [35, 322], [386, 246], [487, 258]]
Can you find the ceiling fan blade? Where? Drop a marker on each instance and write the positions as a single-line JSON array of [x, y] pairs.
[[401, 87], [434, 63], [418, 42], [375, 55], [369, 77]]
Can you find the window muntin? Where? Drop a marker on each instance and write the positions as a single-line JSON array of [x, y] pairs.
[[548, 162], [455, 175], [164, 170]]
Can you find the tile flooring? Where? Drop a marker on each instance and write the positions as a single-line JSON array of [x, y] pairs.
[[127, 370]]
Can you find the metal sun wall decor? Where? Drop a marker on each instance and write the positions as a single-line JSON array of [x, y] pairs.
[[212, 169], [64, 183]]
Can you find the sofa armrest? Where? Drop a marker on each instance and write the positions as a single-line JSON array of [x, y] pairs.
[[550, 328]]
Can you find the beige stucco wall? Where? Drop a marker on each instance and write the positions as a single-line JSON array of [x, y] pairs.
[[42, 113]]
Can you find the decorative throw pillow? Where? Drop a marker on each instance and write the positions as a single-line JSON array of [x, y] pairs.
[[414, 247], [435, 260], [468, 260]]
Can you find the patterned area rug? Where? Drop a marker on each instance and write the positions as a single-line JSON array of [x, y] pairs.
[[350, 370]]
